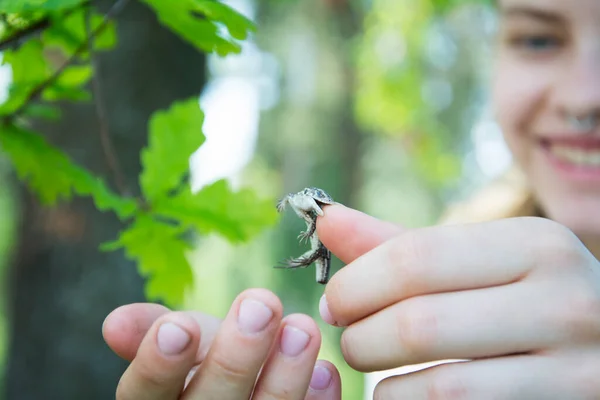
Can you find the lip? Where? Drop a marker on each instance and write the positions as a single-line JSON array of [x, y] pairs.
[[569, 171], [579, 142]]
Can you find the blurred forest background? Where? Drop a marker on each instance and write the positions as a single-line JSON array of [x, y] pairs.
[[382, 103]]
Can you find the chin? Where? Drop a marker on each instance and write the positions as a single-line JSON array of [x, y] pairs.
[[579, 213], [565, 197]]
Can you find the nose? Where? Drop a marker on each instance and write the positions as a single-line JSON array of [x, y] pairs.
[[578, 95]]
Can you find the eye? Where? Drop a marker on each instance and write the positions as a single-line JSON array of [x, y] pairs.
[[536, 43]]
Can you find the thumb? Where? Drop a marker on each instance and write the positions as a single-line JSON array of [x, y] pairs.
[[349, 233]]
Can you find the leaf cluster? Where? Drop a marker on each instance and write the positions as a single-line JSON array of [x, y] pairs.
[[49, 46]]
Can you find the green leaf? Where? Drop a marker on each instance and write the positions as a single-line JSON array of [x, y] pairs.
[[20, 6], [237, 24], [29, 69], [27, 62], [87, 184], [68, 33], [160, 256], [47, 171], [446, 5], [174, 135], [57, 92], [237, 216], [43, 111], [201, 31], [75, 75], [69, 85], [52, 176]]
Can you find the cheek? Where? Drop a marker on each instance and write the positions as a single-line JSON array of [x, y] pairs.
[[518, 97]]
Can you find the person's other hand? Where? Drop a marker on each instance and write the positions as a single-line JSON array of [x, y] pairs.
[[253, 353], [517, 299]]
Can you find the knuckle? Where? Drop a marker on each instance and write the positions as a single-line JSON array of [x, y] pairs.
[[579, 314], [417, 328], [446, 385], [406, 254], [150, 376], [557, 245], [139, 376], [227, 369], [271, 393]]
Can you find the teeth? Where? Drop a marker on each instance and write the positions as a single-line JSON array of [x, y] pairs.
[[589, 158]]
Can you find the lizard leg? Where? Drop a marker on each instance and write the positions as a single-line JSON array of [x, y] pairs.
[[311, 227], [316, 208], [304, 260], [281, 204]]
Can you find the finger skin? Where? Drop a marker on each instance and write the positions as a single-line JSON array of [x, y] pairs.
[[349, 233], [331, 392], [235, 358], [447, 258], [508, 378], [287, 376], [460, 325], [125, 328], [154, 375]]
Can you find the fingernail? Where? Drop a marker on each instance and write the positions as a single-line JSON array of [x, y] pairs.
[[253, 316], [172, 339], [321, 378], [324, 311], [293, 341]]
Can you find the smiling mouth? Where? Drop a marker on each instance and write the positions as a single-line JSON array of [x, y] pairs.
[[578, 157]]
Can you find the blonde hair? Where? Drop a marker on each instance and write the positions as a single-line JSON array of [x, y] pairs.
[[506, 197]]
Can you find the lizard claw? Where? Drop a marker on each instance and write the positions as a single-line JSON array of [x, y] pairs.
[[310, 230], [293, 263], [304, 236]]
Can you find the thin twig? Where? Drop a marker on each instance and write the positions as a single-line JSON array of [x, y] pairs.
[[37, 91], [107, 146], [19, 36]]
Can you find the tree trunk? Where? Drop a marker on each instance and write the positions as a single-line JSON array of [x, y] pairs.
[[61, 286]]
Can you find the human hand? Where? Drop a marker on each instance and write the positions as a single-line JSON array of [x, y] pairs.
[[517, 299], [253, 353]]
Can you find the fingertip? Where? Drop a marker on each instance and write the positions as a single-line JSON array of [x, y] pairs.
[[265, 296], [324, 311], [350, 233], [302, 321], [325, 382], [165, 357], [176, 334], [124, 328], [306, 324], [114, 332]]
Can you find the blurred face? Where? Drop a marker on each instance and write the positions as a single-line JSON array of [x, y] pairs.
[[546, 94]]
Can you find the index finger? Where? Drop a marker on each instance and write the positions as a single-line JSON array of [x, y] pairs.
[[349, 233], [125, 328], [441, 259]]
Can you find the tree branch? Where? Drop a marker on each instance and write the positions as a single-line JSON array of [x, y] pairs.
[[19, 36], [39, 89], [107, 146]]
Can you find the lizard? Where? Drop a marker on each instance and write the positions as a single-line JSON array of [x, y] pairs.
[[307, 204]]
